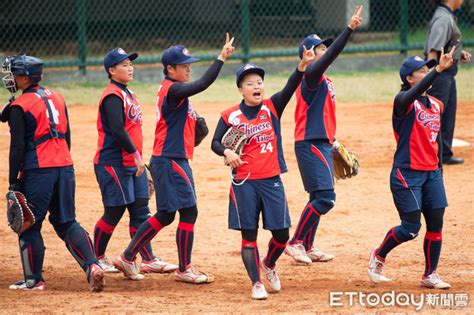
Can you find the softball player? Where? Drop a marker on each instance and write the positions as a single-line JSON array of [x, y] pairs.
[[416, 180], [315, 130], [259, 187], [118, 164], [41, 168], [172, 175]]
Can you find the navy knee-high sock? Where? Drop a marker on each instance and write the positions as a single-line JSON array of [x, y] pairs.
[[275, 250], [147, 251], [144, 235], [432, 249], [309, 219], [308, 241], [102, 234], [251, 260], [80, 246], [390, 241], [184, 241]]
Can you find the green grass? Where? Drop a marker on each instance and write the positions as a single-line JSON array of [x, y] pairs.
[[370, 86]]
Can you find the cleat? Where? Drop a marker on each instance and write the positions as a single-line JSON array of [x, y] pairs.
[[22, 285], [433, 281], [157, 265], [192, 276], [96, 278], [318, 256], [298, 252], [272, 277], [107, 265], [374, 270], [259, 292], [129, 268]]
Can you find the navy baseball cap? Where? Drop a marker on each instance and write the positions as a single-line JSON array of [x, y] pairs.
[[177, 55], [246, 69], [313, 40], [115, 56], [412, 64]]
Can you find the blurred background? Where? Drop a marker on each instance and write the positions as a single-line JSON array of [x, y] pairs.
[[75, 34]]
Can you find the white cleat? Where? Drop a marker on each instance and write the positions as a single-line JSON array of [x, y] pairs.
[[31, 285], [129, 268], [298, 252], [272, 277], [193, 276], [157, 266], [374, 270], [433, 281], [318, 256], [259, 292], [107, 265], [95, 277]]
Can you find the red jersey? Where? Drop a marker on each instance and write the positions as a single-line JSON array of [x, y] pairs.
[[315, 114], [416, 134], [175, 126], [263, 153], [109, 152], [43, 150]]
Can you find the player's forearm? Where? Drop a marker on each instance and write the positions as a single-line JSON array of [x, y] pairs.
[[216, 145], [315, 70], [180, 90], [281, 99], [113, 109], [405, 98], [17, 143], [433, 54]]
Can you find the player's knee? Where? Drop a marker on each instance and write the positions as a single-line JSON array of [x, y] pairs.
[[64, 230], [323, 201], [249, 235], [29, 236], [281, 236], [139, 212], [188, 215], [434, 220], [112, 215], [165, 218], [408, 230]]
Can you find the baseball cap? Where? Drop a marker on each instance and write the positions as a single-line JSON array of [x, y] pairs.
[[412, 64], [177, 55], [246, 69], [313, 40], [115, 56]]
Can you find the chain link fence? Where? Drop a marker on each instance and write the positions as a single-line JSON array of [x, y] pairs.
[[78, 33]]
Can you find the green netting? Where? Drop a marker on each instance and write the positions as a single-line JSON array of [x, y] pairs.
[[80, 32]]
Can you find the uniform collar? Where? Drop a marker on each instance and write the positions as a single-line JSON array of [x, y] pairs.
[[120, 85], [31, 88]]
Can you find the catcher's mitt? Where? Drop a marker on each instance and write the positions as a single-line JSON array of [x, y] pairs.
[[234, 139], [19, 215], [151, 187], [345, 163], [201, 130]]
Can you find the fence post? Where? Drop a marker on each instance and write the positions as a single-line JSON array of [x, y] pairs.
[[403, 26], [81, 34], [245, 29]]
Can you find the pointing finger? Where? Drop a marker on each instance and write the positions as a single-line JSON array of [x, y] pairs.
[[231, 41], [226, 38]]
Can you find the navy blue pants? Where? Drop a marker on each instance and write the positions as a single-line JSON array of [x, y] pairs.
[[444, 89]]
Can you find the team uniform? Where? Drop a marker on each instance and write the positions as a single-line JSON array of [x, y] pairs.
[[169, 167], [120, 128], [416, 180], [315, 130], [41, 167], [263, 163], [256, 186]]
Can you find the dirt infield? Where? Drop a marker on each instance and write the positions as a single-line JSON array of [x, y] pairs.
[[363, 213]]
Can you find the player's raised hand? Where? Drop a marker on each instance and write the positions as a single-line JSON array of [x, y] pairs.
[[308, 57], [356, 20], [446, 60], [228, 49]]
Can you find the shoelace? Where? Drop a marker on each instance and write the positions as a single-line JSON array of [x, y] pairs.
[[378, 266], [435, 278]]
